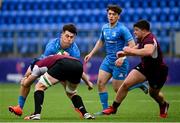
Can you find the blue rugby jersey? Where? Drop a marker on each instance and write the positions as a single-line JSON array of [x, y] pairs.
[[114, 38], [54, 46]]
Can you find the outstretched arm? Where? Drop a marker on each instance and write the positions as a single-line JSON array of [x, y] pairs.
[[98, 45], [86, 80], [146, 51]]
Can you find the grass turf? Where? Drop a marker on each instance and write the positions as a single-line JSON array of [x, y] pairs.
[[137, 107]]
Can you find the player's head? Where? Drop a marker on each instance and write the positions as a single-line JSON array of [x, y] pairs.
[[113, 13], [68, 35], [141, 28], [70, 28]]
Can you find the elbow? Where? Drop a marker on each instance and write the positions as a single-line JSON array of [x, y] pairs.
[[149, 53]]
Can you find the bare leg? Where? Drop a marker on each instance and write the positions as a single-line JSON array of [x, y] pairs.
[[103, 78], [133, 78]]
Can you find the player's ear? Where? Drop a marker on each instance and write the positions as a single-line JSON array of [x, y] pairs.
[[119, 17]]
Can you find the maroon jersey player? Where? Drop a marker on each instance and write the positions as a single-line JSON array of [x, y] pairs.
[[151, 68]]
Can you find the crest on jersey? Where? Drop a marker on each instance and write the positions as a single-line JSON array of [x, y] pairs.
[[114, 34]]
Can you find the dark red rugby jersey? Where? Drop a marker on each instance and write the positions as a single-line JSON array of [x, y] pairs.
[[51, 60], [156, 60]]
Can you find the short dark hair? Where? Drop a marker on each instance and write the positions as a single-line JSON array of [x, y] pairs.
[[114, 8], [143, 24], [71, 28]]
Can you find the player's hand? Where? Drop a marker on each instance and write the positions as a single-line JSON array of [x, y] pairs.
[[119, 61], [120, 54], [127, 49], [90, 85], [87, 58]]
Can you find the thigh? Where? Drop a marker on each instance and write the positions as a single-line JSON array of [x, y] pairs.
[[134, 77], [158, 78]]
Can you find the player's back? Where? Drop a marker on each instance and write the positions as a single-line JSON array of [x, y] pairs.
[[51, 60]]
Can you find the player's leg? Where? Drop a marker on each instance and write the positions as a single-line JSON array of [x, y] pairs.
[[159, 98], [45, 81], [156, 82], [103, 78], [77, 100], [26, 83], [120, 73], [24, 88], [133, 78], [144, 86]]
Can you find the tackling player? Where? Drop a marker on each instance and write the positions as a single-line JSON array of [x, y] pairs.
[[151, 68], [62, 68], [64, 45]]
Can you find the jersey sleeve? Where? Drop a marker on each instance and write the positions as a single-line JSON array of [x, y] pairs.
[[101, 37], [50, 49], [148, 41], [74, 51], [126, 34]]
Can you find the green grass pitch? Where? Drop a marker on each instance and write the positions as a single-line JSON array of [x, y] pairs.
[[137, 107]]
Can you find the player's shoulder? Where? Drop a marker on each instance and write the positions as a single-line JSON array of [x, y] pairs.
[[54, 41], [121, 25], [150, 36], [105, 26]]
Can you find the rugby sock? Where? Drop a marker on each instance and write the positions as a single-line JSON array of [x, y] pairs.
[[115, 105], [104, 99], [21, 101], [38, 101], [78, 103]]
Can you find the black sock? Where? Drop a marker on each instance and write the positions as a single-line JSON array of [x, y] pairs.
[[115, 105], [78, 103], [38, 100]]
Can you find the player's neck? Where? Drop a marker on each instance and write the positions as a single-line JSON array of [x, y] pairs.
[[147, 33], [113, 24]]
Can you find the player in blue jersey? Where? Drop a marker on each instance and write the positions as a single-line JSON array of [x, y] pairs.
[[64, 45], [114, 36]]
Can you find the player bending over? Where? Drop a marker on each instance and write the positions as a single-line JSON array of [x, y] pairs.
[[66, 70]]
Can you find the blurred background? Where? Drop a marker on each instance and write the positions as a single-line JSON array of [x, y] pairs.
[[27, 25]]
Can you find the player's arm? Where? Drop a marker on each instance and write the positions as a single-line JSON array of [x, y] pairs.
[[26, 82], [146, 51], [98, 45], [129, 39], [87, 82], [131, 43]]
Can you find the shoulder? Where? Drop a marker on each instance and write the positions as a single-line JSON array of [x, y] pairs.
[[150, 38], [105, 26], [54, 41], [74, 46], [121, 26]]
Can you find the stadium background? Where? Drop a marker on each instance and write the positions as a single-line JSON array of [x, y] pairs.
[[27, 25]]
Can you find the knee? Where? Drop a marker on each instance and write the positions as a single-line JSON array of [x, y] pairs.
[[39, 86], [25, 83], [101, 83], [70, 93]]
